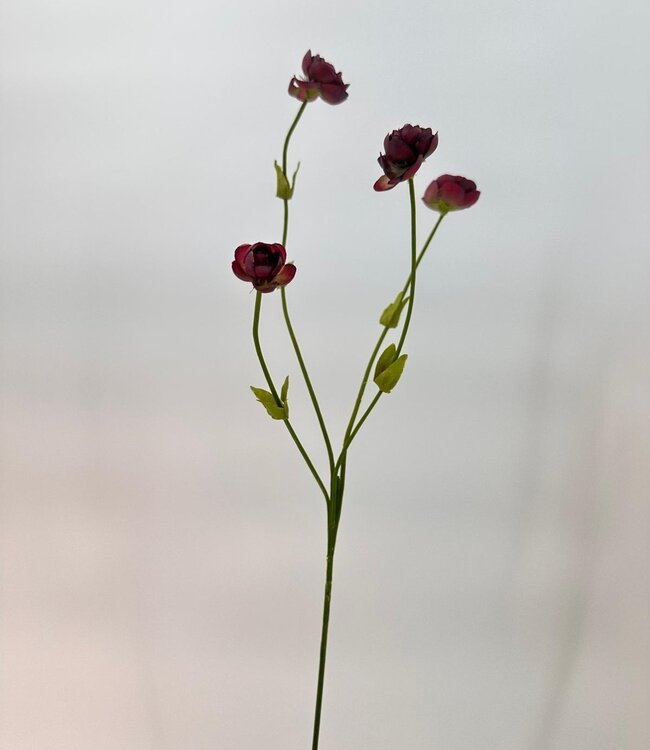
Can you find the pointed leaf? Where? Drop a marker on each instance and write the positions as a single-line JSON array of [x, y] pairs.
[[283, 189], [268, 402], [293, 180], [387, 358], [390, 316], [388, 379], [284, 390]]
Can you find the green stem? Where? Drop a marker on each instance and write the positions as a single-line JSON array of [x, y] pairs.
[[362, 389], [305, 374], [269, 380], [285, 148], [363, 418], [332, 528], [323, 645], [424, 248], [285, 308], [352, 430], [409, 309]]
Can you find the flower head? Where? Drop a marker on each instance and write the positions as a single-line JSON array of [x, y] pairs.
[[263, 265], [321, 80], [450, 193], [406, 149]]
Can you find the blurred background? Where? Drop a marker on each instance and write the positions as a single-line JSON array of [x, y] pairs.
[[162, 545]]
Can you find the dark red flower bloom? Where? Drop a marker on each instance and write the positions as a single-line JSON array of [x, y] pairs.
[[406, 149], [263, 265], [321, 80], [450, 193]]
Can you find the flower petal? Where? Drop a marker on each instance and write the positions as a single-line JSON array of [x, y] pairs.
[[453, 194], [431, 193], [306, 62], [240, 253], [239, 273], [413, 168], [285, 275], [333, 93], [471, 198], [279, 249], [383, 183]]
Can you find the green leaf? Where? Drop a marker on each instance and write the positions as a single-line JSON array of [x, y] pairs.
[[284, 390], [293, 180], [386, 359], [388, 379], [268, 402], [283, 189], [390, 316]]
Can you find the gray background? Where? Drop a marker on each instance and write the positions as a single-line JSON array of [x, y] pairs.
[[162, 544]]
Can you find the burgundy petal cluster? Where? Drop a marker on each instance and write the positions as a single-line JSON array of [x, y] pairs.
[[264, 265], [406, 149], [321, 79], [450, 193]]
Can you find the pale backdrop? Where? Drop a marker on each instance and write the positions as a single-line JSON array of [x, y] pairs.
[[162, 546]]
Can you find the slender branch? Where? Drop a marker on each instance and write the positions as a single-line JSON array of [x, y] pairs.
[[285, 148], [272, 388], [352, 431], [363, 418], [409, 308], [432, 234], [289, 134], [362, 388], [285, 308], [305, 374]]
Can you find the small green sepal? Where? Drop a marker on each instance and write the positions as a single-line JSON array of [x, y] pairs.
[[268, 402], [387, 358], [389, 370], [390, 316], [284, 190]]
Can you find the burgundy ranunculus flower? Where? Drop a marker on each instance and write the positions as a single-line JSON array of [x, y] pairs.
[[450, 193], [405, 149], [322, 80], [263, 265]]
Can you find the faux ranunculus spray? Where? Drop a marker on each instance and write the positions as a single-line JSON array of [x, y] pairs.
[[264, 266]]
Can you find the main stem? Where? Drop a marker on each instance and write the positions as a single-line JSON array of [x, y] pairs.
[[333, 511], [323, 641], [336, 484]]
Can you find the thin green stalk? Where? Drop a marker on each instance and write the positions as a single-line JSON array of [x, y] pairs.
[[409, 307], [285, 148], [272, 388], [363, 418], [332, 528], [285, 308], [305, 374], [432, 234], [362, 388], [323, 646], [377, 396], [351, 429]]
